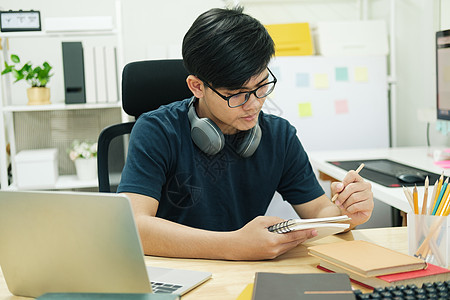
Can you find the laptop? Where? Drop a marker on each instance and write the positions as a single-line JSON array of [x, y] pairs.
[[79, 243]]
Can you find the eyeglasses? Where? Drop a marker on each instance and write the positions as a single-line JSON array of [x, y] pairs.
[[241, 98]]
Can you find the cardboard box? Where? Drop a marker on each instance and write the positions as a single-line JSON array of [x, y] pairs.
[[37, 169]]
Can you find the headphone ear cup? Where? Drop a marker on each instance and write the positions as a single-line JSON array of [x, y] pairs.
[[206, 135], [250, 142]]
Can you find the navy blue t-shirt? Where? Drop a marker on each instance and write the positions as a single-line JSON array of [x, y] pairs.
[[221, 192]]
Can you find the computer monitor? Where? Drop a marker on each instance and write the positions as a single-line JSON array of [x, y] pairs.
[[443, 74]]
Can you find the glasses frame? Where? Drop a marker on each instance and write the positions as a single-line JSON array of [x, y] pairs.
[[247, 94]]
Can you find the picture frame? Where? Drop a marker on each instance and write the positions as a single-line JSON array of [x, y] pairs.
[[12, 21]]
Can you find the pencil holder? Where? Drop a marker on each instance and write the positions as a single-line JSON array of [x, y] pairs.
[[428, 238]]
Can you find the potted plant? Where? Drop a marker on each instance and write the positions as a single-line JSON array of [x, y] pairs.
[[84, 155], [37, 77]]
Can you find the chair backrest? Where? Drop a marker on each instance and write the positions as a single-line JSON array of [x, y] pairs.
[[146, 85]]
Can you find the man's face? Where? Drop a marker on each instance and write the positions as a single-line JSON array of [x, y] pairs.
[[241, 118]]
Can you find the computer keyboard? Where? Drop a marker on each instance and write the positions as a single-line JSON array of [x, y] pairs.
[[439, 290], [160, 287]]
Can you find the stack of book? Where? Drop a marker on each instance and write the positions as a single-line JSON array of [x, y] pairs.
[[375, 266]]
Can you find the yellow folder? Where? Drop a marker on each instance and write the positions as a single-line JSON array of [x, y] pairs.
[[247, 293], [291, 39]]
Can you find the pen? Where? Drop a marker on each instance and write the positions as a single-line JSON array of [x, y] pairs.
[[357, 171]]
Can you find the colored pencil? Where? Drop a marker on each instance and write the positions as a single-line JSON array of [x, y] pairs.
[[357, 171], [438, 190], [439, 198], [430, 206], [415, 200], [443, 201]]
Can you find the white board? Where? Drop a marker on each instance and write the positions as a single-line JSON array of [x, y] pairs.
[[334, 102]]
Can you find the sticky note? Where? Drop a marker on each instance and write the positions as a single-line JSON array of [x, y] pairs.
[[341, 74], [361, 74], [447, 74], [341, 106], [321, 81], [304, 109], [302, 80]]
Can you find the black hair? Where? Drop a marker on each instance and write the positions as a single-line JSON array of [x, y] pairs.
[[226, 47]]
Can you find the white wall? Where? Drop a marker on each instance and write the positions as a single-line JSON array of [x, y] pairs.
[[157, 26], [147, 24]]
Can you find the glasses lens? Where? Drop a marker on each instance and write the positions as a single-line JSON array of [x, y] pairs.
[[265, 90], [237, 99]]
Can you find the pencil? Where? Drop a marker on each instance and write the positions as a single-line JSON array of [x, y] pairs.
[[415, 200], [438, 189], [443, 203], [409, 197], [439, 199], [430, 208], [425, 196], [357, 171]]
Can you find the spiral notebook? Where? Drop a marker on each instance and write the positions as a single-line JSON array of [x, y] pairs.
[[324, 226]]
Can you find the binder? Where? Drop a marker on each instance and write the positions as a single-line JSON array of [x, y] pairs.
[[89, 74], [73, 66], [291, 39], [111, 74], [100, 74]]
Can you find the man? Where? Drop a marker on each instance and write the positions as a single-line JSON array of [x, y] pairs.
[[201, 172]]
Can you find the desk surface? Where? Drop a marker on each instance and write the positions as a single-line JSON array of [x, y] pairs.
[[413, 156], [230, 278]]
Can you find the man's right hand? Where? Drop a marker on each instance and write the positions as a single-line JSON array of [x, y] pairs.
[[255, 242]]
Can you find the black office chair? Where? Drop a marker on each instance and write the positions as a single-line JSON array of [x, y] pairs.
[[146, 85]]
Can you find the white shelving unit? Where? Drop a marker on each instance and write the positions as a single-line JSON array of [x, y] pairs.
[[9, 112]]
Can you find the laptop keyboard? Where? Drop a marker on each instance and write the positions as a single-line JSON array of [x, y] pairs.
[[432, 290], [160, 287]]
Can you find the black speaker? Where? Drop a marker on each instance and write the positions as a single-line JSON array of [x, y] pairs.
[[73, 65]]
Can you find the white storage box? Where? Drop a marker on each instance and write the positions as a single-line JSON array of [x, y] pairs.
[[78, 23], [37, 169], [352, 38]]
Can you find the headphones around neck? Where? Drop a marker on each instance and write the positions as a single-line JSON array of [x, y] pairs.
[[209, 138]]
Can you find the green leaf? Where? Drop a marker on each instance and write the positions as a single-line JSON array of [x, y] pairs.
[[35, 76], [15, 58], [8, 69]]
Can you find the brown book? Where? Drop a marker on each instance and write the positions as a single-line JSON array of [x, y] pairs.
[[432, 273], [367, 259]]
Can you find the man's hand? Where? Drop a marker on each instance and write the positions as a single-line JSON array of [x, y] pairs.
[[254, 241], [355, 198]]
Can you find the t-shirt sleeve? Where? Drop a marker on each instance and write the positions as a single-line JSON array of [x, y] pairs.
[[298, 183], [148, 159]]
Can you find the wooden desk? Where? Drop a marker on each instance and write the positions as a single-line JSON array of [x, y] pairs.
[[414, 156], [230, 278]]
